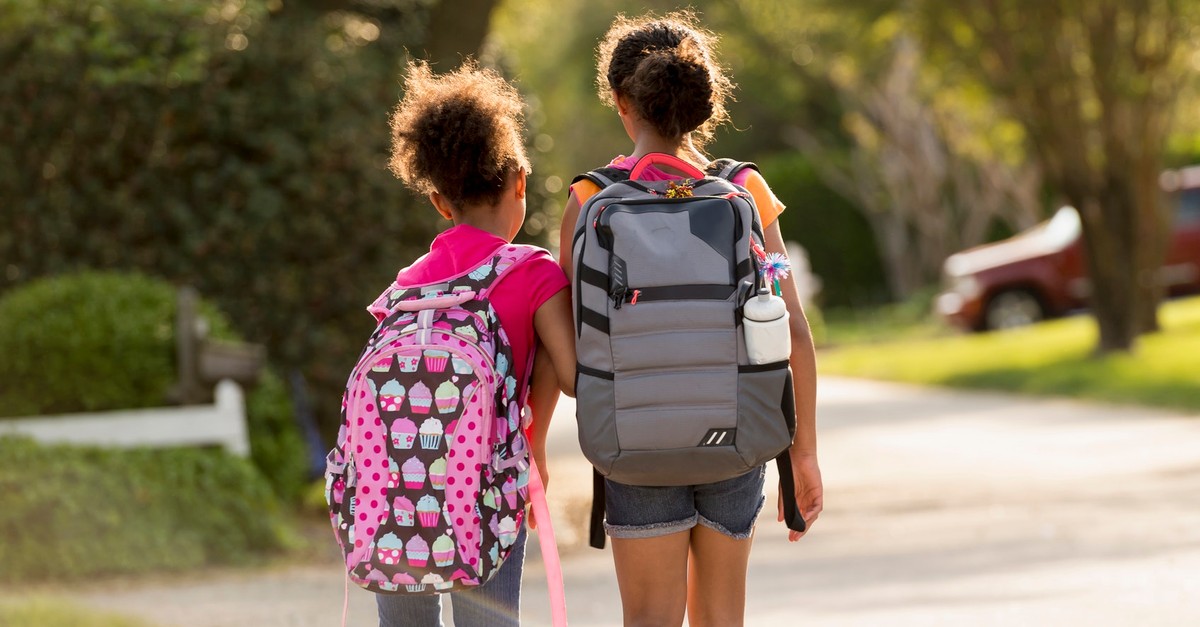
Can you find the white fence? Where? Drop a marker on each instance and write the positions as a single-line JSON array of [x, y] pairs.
[[223, 423]]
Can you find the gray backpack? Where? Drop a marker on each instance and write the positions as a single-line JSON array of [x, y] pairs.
[[665, 392]]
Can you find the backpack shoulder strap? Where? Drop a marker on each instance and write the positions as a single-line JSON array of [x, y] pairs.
[[603, 177], [727, 168], [514, 255]]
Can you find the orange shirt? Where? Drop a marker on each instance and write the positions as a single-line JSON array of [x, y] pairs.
[[769, 207]]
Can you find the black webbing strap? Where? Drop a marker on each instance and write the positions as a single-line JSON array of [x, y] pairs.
[[686, 292], [596, 528], [787, 491], [594, 319], [594, 277]]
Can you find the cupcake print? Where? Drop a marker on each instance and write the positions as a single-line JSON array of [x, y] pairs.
[[523, 483], [428, 511], [431, 433], [408, 363], [404, 511], [510, 492], [460, 365], [389, 549], [420, 398], [446, 397], [418, 552], [491, 498], [467, 331], [383, 365], [481, 272], [407, 580], [435, 580], [404, 433], [443, 551], [436, 360], [501, 364], [506, 531], [391, 395], [414, 474], [393, 474], [437, 474]]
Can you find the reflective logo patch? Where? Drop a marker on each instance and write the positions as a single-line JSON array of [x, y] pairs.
[[719, 437]]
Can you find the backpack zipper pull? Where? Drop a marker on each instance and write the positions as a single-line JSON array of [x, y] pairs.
[[636, 294]]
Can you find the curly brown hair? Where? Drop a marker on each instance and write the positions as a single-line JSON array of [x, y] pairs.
[[665, 66], [460, 133]]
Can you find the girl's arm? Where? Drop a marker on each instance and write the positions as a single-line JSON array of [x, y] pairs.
[[556, 335], [807, 475], [565, 232], [543, 397]]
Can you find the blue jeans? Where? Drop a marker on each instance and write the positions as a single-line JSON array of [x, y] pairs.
[[496, 603]]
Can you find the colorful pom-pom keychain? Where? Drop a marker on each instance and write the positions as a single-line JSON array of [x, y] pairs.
[[775, 267], [771, 267]]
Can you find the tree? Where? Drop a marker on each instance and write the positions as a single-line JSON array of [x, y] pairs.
[[929, 169], [239, 147], [1093, 83]]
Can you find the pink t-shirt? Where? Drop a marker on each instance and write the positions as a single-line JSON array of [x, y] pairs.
[[526, 288]]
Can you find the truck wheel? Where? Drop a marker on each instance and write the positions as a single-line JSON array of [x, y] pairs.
[[1013, 308]]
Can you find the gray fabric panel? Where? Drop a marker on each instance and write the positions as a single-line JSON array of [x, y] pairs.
[[597, 426], [660, 250], [670, 316], [674, 349], [593, 346], [677, 426], [687, 466], [762, 429], [679, 387]]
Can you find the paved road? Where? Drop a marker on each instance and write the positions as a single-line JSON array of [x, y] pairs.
[[942, 508]]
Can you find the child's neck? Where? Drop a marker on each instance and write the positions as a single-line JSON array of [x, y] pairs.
[[484, 219], [682, 147]]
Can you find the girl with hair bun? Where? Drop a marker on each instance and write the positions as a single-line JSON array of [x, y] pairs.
[[457, 139], [685, 549]]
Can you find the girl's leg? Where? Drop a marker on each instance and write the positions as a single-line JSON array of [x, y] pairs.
[[652, 577], [716, 595], [720, 549], [399, 610], [496, 603]]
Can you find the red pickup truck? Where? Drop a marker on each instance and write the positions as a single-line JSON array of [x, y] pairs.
[[1041, 273]]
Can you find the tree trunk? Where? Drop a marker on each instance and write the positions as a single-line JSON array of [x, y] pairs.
[[457, 29]]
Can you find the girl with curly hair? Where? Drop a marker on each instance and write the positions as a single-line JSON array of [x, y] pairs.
[[457, 139]]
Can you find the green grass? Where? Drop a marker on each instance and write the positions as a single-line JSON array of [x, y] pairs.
[[55, 613], [1054, 358]]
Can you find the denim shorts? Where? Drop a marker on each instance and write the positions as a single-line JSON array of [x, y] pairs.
[[729, 507]]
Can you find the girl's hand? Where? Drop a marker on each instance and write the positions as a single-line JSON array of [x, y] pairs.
[[809, 492]]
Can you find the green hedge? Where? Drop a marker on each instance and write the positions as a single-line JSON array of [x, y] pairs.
[[72, 513], [90, 342], [98, 341]]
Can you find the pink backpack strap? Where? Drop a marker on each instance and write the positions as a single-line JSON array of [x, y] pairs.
[[510, 257], [545, 533]]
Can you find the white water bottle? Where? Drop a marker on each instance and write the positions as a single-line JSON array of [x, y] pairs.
[[765, 323]]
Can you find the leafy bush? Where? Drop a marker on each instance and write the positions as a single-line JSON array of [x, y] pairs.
[[99, 341], [90, 342], [72, 513], [276, 444]]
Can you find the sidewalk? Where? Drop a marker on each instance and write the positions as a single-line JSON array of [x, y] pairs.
[[942, 508]]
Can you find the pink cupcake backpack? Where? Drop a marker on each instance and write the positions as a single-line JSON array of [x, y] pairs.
[[429, 479]]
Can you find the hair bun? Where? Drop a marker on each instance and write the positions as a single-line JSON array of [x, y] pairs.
[[672, 89], [665, 67]]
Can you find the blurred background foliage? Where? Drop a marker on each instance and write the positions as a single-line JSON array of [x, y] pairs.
[[240, 145]]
